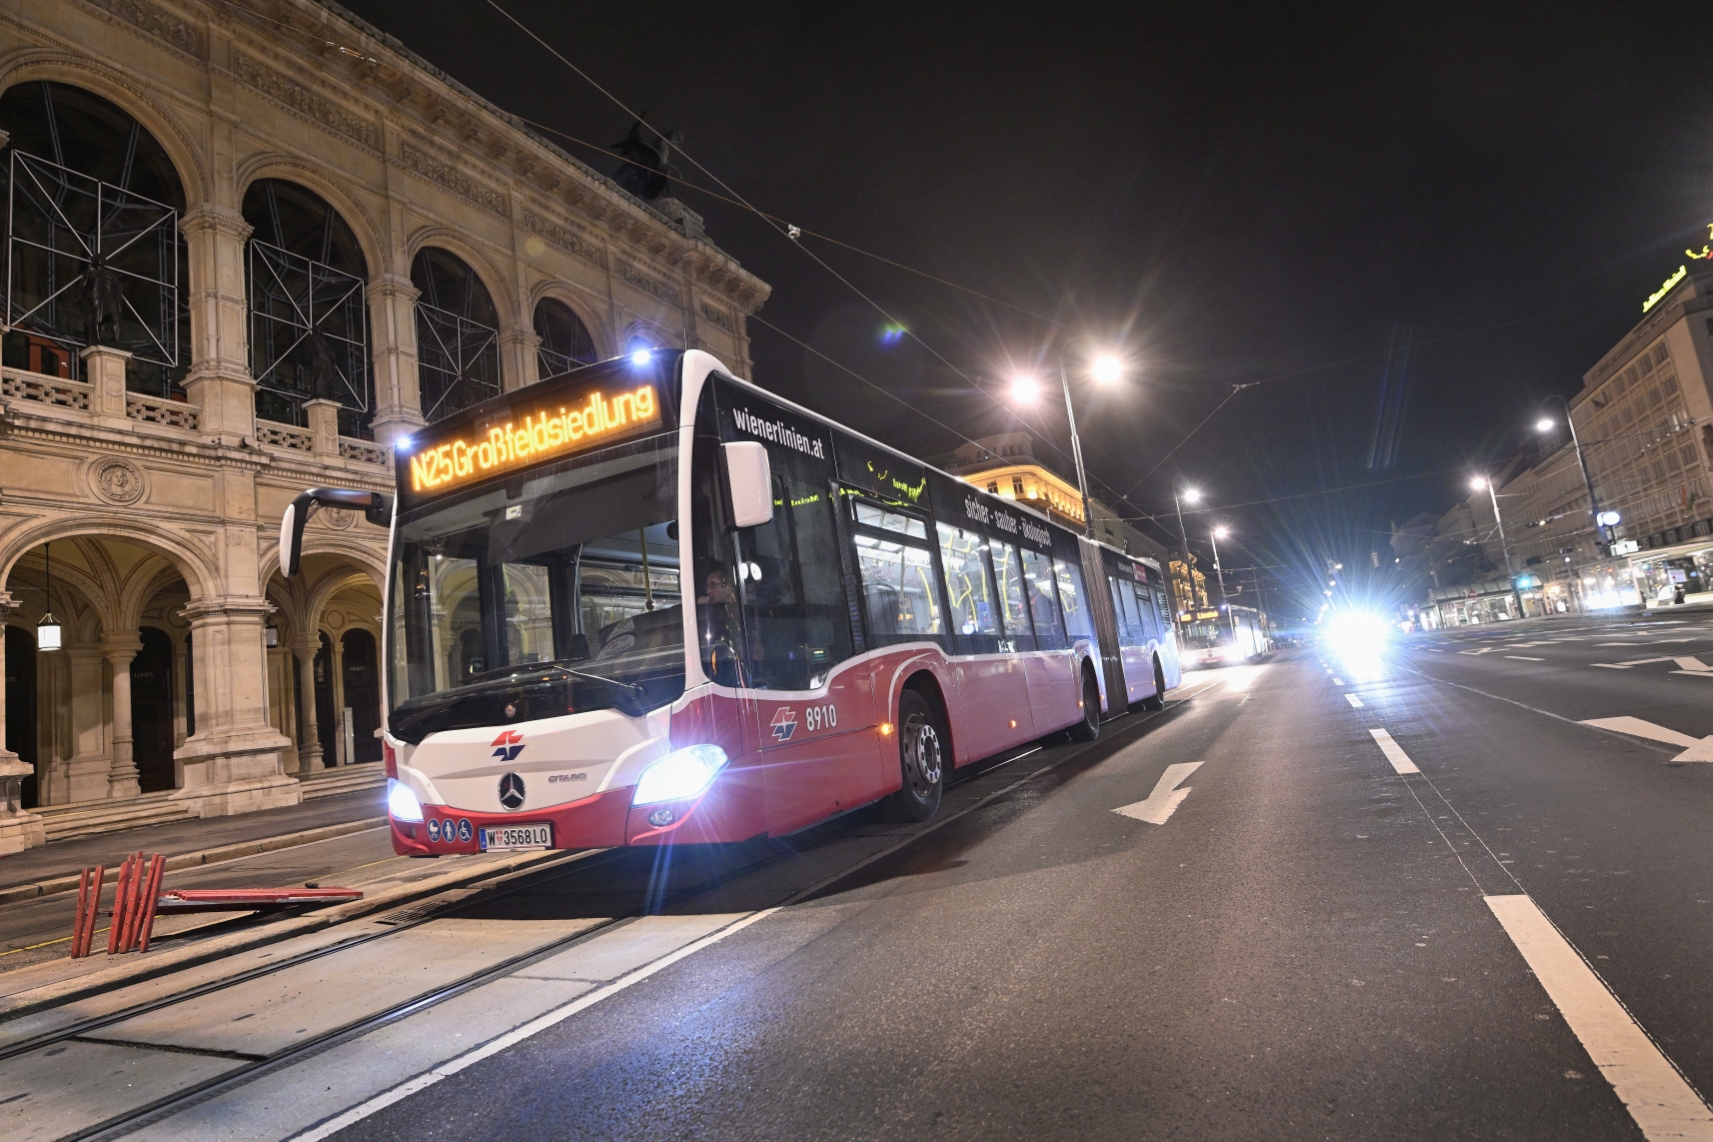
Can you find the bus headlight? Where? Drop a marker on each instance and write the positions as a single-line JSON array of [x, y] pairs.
[[680, 775], [402, 804]]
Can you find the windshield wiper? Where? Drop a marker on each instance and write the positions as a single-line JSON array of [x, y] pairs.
[[635, 690]]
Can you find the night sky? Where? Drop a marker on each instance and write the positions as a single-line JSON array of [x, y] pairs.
[[1411, 222]]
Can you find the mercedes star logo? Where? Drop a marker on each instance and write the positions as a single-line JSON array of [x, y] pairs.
[[511, 791]]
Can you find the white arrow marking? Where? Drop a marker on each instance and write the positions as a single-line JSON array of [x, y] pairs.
[[1633, 662], [1692, 665], [1166, 798], [1394, 752], [1699, 749]]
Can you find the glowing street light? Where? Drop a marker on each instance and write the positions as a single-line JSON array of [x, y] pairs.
[[1214, 537], [1477, 484], [1106, 369], [1548, 424]]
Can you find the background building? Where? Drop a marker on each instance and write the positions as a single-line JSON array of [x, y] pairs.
[[248, 248]]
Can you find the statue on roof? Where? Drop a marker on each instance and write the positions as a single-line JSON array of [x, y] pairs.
[[647, 170]]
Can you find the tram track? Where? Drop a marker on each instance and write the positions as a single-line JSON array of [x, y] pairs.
[[253, 1068]]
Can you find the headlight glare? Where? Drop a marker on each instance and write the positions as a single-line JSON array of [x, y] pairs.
[[402, 804], [680, 775]]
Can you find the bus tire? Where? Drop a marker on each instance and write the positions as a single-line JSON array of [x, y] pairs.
[[1088, 729], [924, 754], [1157, 701]]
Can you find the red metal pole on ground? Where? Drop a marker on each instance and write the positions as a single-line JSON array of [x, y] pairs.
[[118, 913], [151, 898], [78, 921], [94, 913], [134, 905]]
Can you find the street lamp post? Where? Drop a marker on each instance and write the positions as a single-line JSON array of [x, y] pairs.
[[1106, 370], [1077, 451], [1192, 495], [1545, 424], [1510, 568], [1219, 572]]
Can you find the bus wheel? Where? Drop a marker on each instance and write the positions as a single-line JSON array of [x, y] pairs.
[[1089, 728], [923, 756], [1158, 700]]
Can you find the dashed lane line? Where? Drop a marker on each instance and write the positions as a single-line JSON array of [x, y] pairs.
[[1337, 681], [1394, 752], [1523, 658], [1660, 1100], [1355, 702], [1655, 1093]]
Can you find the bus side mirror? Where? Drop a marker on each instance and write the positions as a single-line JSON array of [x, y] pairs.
[[749, 481], [376, 508]]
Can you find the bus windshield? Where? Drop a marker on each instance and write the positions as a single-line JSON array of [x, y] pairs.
[[552, 592]]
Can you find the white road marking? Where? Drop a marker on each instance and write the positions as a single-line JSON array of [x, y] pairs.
[[1699, 749], [1394, 752], [517, 1035], [1337, 681], [1656, 1094], [1524, 658], [1695, 673], [1354, 701], [1689, 664], [1632, 662], [1166, 798]]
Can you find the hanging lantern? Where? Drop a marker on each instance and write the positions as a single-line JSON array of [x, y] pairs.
[[48, 630]]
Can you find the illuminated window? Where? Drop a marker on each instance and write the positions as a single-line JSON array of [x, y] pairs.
[[1017, 486]]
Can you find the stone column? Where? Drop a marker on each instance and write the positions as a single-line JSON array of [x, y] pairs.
[[232, 763], [219, 379], [519, 365], [18, 830], [90, 760], [392, 320], [336, 682], [119, 649], [309, 732]]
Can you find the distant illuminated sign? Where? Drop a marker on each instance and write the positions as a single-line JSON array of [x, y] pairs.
[[1625, 547], [1657, 295], [1609, 519], [540, 433], [1706, 254]]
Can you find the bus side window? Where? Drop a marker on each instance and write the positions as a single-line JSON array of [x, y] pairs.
[[791, 583], [1078, 622], [1146, 625], [1165, 613], [1043, 607], [1008, 576], [896, 569], [964, 556], [1124, 610]]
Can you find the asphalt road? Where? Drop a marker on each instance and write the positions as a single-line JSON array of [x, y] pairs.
[[1489, 920]]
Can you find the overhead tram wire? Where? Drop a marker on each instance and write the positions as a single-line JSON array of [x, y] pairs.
[[792, 233], [782, 228]]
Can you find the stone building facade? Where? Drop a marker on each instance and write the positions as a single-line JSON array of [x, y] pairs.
[[248, 249]]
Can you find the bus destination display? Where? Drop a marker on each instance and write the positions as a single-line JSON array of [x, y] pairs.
[[542, 431]]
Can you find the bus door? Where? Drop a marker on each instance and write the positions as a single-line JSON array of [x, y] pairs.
[[992, 707], [805, 700]]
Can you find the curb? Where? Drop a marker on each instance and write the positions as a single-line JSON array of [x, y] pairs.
[[138, 971], [235, 851]]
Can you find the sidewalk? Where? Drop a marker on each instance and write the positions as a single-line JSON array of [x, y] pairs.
[[47, 868]]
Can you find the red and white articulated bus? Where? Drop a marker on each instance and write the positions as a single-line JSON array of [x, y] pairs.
[[646, 602]]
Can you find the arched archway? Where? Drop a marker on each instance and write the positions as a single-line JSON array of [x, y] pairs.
[[309, 325], [93, 252], [457, 334], [565, 340]]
